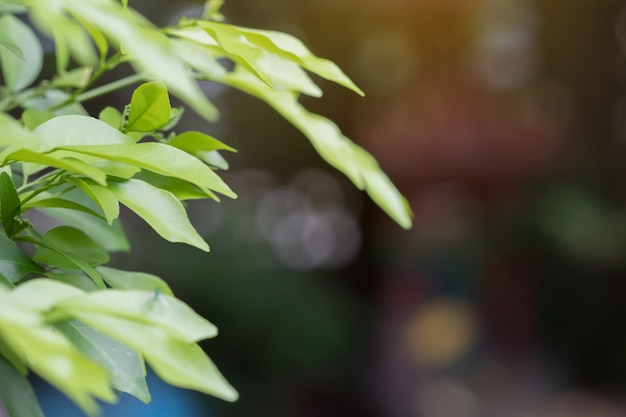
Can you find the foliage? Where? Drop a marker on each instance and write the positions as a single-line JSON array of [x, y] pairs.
[[87, 328]]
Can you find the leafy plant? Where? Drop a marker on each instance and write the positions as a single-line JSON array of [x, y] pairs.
[[85, 327]]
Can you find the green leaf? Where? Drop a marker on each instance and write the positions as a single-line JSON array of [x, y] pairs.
[[101, 195], [278, 72], [127, 280], [203, 147], [162, 159], [12, 6], [14, 264], [20, 72], [76, 130], [33, 118], [72, 242], [332, 145], [110, 237], [16, 393], [68, 164], [281, 44], [12, 133], [187, 366], [175, 116], [96, 35], [212, 10], [149, 107], [9, 204], [197, 56], [116, 169], [124, 366], [40, 294], [177, 362], [167, 313], [197, 141], [8, 43], [76, 78], [50, 252], [152, 52], [213, 159], [47, 352], [57, 101], [182, 190], [70, 37], [111, 116], [13, 358], [169, 220], [75, 279], [42, 200]]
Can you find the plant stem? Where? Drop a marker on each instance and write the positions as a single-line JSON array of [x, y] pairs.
[[108, 88]]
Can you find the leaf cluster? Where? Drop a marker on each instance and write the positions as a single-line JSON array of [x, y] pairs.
[[88, 328]]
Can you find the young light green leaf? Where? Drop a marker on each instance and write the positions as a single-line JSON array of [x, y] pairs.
[[75, 279], [20, 72], [8, 43], [10, 207], [237, 48], [212, 10], [76, 78], [44, 201], [16, 393], [162, 159], [11, 356], [40, 294], [33, 118], [199, 57], [111, 116], [170, 220], [332, 145], [182, 190], [165, 312], [22, 329], [70, 37], [192, 141], [57, 101], [41, 160], [213, 159], [105, 199], [149, 107], [12, 6], [76, 130], [175, 116], [96, 35], [187, 366], [151, 51], [291, 48], [116, 169], [275, 70], [177, 362], [124, 366], [110, 237], [128, 280], [14, 264], [12, 133]]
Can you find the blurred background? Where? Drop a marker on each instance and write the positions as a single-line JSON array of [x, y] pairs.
[[504, 124]]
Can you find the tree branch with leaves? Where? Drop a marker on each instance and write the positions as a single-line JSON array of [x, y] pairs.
[[87, 328]]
